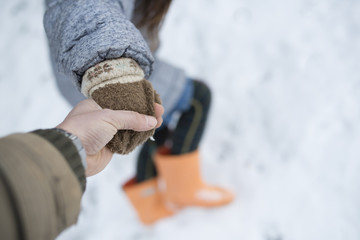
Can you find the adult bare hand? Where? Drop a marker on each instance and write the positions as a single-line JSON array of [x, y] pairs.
[[95, 127]]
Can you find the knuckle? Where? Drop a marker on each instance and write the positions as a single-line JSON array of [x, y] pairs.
[[107, 112], [140, 121], [139, 117]]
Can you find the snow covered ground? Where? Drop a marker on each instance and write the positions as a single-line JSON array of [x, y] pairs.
[[284, 131]]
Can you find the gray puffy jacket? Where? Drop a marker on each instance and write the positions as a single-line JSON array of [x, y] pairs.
[[82, 33]]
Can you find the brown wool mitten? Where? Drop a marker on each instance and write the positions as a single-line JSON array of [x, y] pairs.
[[119, 84]]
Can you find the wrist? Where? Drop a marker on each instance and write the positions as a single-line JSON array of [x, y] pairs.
[[77, 143], [121, 70]]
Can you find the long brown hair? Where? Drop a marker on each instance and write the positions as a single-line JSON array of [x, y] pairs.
[[148, 16]]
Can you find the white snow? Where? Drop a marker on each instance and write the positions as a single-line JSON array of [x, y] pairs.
[[284, 129]]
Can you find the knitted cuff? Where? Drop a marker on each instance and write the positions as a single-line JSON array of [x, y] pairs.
[[68, 150], [121, 70]]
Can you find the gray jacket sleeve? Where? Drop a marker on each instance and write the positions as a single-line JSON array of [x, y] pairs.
[[83, 33]]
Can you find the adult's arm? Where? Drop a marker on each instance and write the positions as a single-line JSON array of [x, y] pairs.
[[42, 176], [40, 187]]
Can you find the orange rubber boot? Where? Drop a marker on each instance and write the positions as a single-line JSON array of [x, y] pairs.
[[146, 200], [181, 184]]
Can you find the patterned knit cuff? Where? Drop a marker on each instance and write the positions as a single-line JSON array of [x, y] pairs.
[[68, 150], [121, 70]]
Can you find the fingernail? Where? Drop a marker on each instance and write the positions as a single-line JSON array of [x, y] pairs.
[[151, 121]]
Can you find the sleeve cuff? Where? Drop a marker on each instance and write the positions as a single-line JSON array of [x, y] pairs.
[[121, 70], [68, 150]]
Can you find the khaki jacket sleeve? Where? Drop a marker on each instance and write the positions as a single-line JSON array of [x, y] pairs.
[[39, 193]]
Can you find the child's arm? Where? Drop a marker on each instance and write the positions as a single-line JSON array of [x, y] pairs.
[[85, 32], [93, 43]]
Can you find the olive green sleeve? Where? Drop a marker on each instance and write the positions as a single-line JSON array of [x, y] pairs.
[[68, 150], [39, 192]]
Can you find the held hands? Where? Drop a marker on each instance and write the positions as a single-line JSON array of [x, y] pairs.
[[120, 84], [95, 127]]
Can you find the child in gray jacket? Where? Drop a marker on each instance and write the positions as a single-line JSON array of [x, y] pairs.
[[105, 50]]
